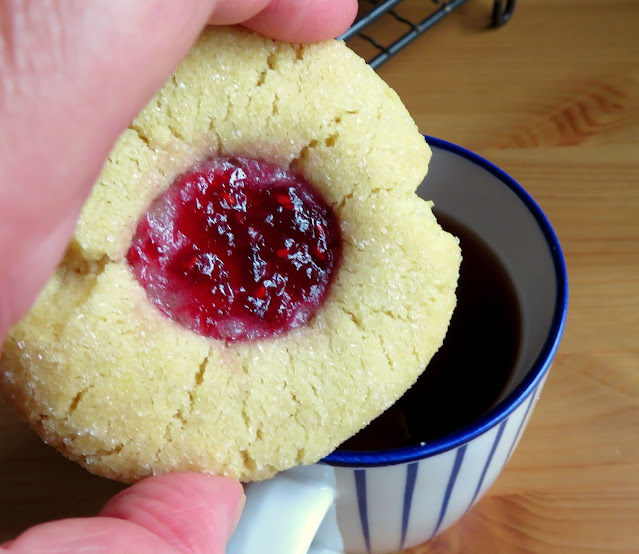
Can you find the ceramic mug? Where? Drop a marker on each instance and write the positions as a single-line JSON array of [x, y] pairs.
[[388, 500]]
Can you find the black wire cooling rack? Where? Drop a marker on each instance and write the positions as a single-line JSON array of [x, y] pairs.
[[434, 10]]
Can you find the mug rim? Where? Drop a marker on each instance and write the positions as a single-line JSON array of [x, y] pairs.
[[535, 374]]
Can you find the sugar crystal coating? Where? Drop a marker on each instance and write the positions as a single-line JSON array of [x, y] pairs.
[[104, 376]]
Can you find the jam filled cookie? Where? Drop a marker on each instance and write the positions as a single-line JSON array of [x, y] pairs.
[[252, 279]]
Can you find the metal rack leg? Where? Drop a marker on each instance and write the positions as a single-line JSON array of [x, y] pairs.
[[502, 12]]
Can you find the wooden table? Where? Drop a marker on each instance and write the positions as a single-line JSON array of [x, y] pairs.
[[553, 98]]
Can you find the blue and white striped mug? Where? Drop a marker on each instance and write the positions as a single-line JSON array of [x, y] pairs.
[[388, 500]]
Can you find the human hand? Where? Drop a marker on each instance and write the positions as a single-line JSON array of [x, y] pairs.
[[167, 514], [72, 77]]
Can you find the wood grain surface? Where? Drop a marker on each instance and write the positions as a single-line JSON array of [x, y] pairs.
[[552, 98]]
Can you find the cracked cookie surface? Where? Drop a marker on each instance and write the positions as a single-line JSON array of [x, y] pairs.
[[105, 377]]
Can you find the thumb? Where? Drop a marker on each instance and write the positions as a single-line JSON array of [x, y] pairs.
[[187, 512], [191, 511]]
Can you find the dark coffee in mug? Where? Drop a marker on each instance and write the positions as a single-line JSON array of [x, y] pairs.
[[469, 373]]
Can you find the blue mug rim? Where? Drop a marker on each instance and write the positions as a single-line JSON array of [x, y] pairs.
[[534, 376]]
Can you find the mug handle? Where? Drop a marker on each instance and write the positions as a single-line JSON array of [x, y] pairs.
[[283, 514]]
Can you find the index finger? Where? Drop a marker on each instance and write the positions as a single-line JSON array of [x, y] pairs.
[[291, 20]]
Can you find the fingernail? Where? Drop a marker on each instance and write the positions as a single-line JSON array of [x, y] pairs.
[[240, 509]]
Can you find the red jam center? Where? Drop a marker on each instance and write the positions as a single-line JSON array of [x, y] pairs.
[[237, 249]]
